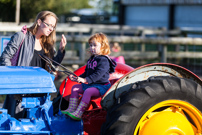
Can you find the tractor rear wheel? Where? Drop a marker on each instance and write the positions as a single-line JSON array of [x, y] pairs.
[[160, 105]]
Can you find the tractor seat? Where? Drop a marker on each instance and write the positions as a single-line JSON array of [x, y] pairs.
[[95, 103]]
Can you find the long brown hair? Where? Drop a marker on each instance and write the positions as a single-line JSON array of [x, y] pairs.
[[103, 40], [47, 42]]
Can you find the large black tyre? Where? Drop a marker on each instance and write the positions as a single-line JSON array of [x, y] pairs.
[[123, 117]]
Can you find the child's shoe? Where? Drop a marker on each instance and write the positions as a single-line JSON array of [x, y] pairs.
[[73, 103], [79, 111]]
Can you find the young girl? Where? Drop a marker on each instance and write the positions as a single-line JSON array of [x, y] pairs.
[[116, 49], [95, 80]]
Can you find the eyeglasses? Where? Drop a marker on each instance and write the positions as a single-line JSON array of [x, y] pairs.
[[49, 25]]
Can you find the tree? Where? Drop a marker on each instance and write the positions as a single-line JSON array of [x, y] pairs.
[[105, 5], [30, 8], [7, 12]]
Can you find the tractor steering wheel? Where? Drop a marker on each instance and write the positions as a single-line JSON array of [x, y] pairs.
[[53, 68]]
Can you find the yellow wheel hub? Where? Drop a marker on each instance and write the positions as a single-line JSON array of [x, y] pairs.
[[172, 117], [167, 123]]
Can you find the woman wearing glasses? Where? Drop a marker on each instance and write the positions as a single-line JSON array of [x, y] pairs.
[[38, 39]]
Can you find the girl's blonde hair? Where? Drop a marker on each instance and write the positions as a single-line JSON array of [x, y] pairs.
[[47, 42], [103, 40]]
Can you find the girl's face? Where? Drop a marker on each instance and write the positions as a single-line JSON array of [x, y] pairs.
[[95, 47], [47, 25]]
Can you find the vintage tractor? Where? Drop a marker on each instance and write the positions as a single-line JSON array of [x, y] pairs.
[[153, 99]]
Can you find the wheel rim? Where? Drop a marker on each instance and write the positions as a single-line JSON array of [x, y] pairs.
[[171, 117]]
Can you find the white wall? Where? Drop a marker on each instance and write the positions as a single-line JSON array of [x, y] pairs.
[[154, 16]]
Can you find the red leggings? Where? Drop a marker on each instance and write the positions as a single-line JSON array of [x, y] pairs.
[[87, 94]]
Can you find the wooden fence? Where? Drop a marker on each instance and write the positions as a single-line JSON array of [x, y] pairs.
[[139, 37], [161, 52]]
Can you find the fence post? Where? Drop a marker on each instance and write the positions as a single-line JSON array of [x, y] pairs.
[[82, 52], [17, 12], [164, 53]]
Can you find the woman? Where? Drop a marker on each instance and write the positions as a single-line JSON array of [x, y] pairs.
[[39, 38]]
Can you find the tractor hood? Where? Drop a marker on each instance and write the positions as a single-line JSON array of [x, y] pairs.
[[25, 80]]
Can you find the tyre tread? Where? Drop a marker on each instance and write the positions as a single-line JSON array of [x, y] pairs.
[[122, 117]]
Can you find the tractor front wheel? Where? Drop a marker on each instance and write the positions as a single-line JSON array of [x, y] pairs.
[[160, 105]]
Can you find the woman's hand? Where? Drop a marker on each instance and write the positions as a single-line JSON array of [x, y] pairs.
[[63, 43]]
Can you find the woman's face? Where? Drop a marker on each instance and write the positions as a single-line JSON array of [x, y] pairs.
[[95, 47], [47, 25]]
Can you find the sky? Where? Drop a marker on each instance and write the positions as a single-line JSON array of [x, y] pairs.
[[93, 3]]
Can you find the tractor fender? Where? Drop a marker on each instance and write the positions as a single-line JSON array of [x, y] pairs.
[[126, 82]]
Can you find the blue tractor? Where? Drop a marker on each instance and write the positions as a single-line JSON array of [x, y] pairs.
[[34, 85]]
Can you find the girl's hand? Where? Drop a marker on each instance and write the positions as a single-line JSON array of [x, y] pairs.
[[63, 43], [81, 80], [73, 78]]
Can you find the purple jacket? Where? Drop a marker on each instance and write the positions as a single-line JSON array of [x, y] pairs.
[[98, 69]]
